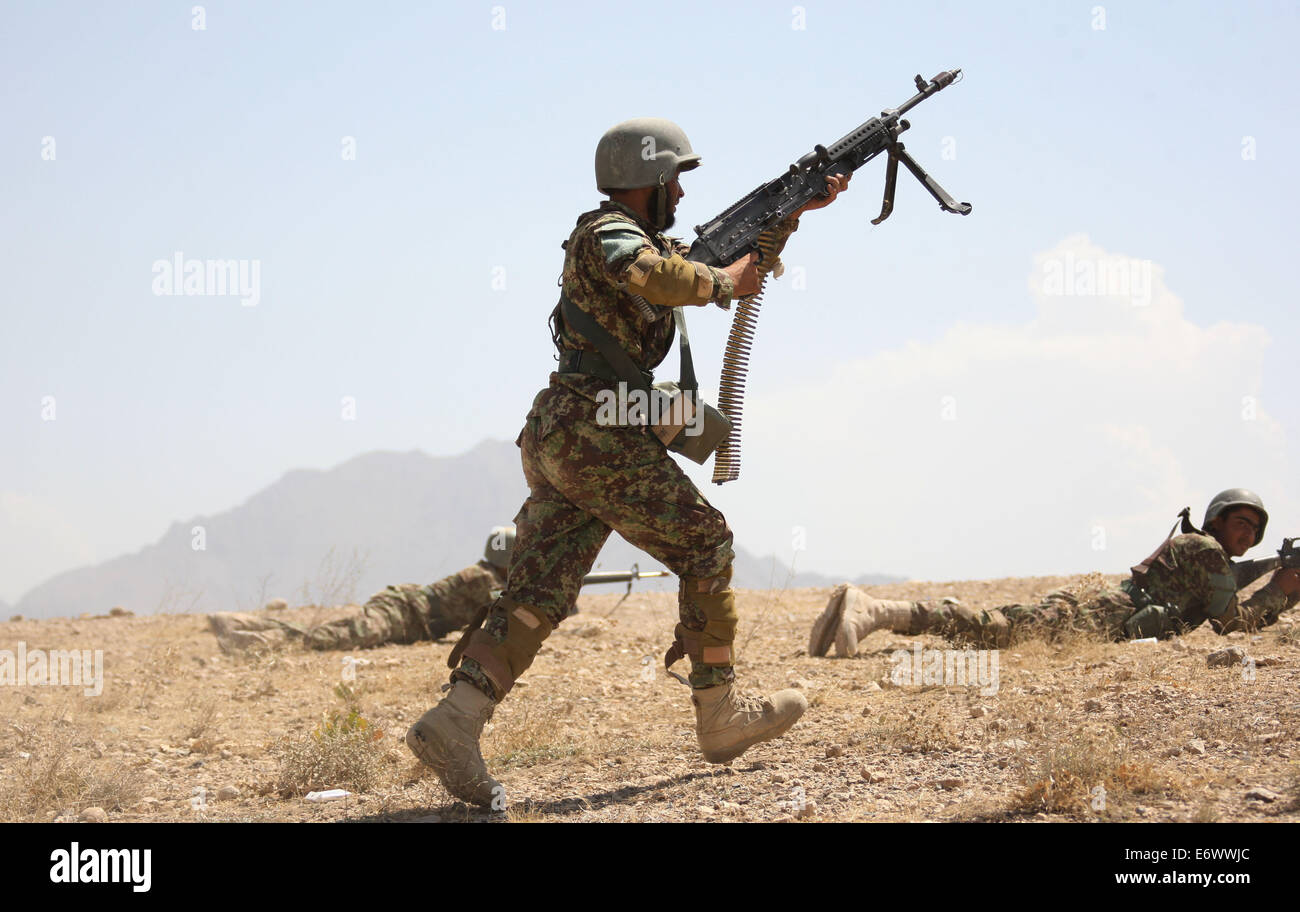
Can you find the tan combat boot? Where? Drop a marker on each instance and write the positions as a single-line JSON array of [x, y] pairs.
[[727, 724], [446, 739], [851, 615]]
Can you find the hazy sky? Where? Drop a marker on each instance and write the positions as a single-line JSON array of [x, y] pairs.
[[937, 396]]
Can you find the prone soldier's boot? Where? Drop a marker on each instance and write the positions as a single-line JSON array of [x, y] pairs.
[[851, 615], [727, 724], [446, 739]]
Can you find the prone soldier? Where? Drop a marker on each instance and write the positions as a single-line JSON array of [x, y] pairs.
[[1190, 579]]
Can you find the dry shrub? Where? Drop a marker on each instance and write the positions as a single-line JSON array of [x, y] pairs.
[[343, 752], [1067, 777], [921, 730], [204, 717], [534, 732], [58, 778]]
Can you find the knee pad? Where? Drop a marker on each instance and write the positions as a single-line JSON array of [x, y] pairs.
[[712, 600], [504, 660]]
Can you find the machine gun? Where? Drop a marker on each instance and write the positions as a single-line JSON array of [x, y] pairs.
[[1288, 556], [751, 225]]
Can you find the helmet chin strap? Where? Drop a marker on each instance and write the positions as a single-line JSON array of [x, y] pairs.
[[660, 217]]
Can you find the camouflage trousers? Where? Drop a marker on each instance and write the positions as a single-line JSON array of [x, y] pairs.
[[586, 480], [409, 613], [1058, 612]]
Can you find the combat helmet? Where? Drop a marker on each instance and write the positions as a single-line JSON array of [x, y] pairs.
[[500, 545], [1236, 497], [642, 152]]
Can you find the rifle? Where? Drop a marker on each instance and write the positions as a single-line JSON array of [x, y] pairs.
[[751, 224], [1288, 556], [620, 576]]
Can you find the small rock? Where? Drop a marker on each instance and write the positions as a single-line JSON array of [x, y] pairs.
[[819, 767], [1172, 751], [225, 754], [1264, 661], [1015, 744], [227, 793], [1196, 746], [94, 815], [996, 725], [704, 810], [1177, 645], [1262, 794], [866, 710], [779, 778], [801, 684], [978, 712], [834, 751], [872, 776], [871, 687], [277, 604], [14, 619], [809, 809], [1223, 657], [1141, 810], [950, 784], [1092, 706], [119, 612]]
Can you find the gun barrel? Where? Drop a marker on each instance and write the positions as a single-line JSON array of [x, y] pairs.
[[939, 82], [620, 576]]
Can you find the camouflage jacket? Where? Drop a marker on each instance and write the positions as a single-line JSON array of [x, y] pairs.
[[599, 258], [1191, 578]]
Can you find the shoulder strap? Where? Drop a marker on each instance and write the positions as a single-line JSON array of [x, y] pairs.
[[1185, 522], [614, 354]]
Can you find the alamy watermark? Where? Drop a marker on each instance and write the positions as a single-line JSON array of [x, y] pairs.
[[182, 276], [946, 667], [1105, 276], [676, 408], [59, 667]]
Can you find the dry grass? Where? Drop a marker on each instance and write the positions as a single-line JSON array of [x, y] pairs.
[[1087, 774], [343, 751], [589, 735], [58, 778]]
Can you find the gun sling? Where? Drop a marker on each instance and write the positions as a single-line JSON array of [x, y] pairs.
[[614, 364]]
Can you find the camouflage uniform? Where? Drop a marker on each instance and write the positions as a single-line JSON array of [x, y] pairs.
[[586, 478], [409, 613], [1188, 580], [406, 613]]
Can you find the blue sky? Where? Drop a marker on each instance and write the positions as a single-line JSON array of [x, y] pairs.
[[474, 126]]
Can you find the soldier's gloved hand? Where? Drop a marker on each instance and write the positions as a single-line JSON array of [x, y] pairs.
[[744, 272], [835, 185], [1288, 580]]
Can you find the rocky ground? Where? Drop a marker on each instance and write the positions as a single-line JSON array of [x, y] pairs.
[[1076, 730]]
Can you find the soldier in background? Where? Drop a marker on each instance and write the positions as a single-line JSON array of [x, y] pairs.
[[405, 613], [1190, 579]]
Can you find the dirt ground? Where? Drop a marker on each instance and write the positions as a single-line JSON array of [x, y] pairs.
[[1076, 730]]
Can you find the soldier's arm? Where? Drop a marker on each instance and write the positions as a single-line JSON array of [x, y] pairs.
[[632, 264], [1264, 607]]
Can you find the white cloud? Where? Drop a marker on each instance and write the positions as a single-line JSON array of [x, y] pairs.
[[1001, 450]]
